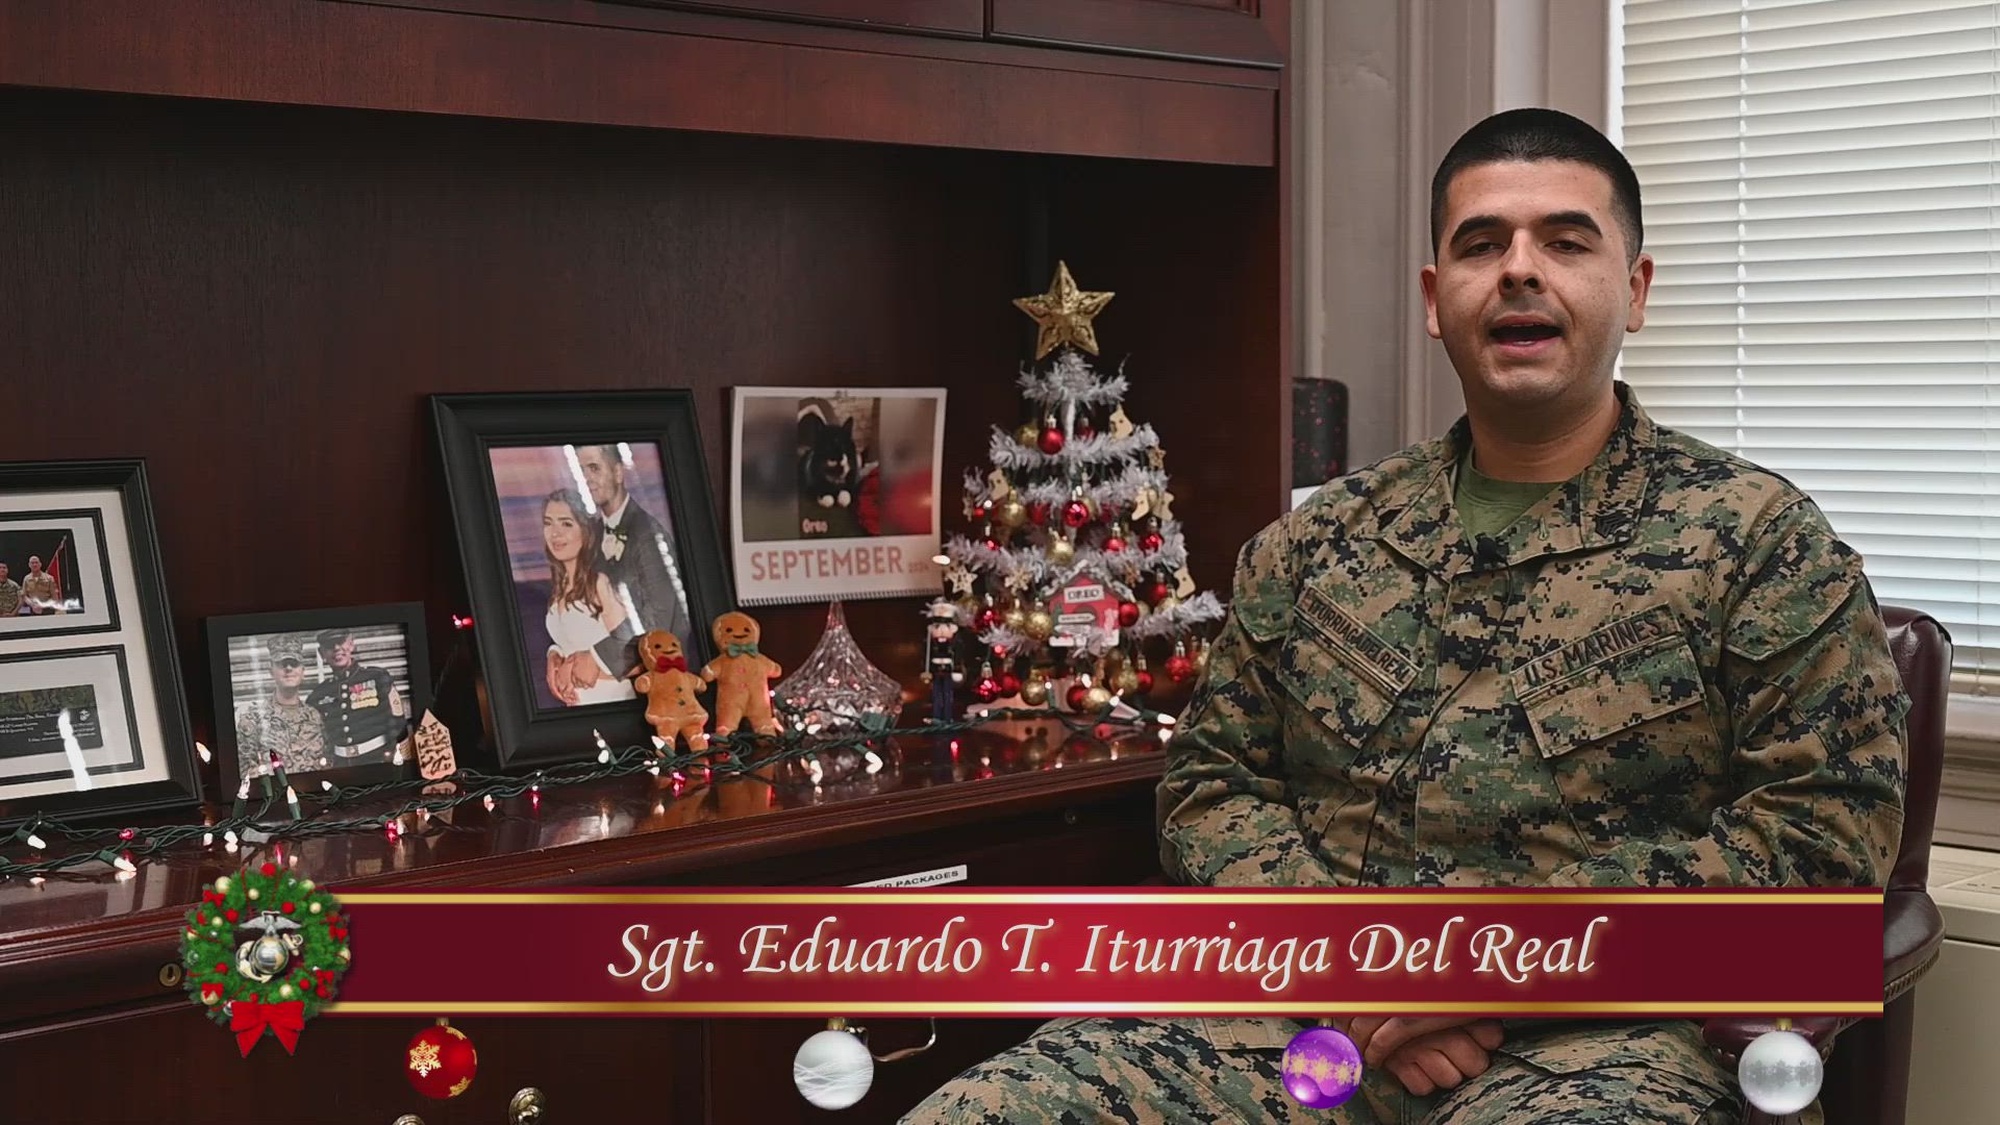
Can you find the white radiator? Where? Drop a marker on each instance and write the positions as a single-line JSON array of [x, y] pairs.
[[1953, 1076]]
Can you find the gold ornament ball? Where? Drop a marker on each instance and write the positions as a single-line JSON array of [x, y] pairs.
[[343, 953], [1167, 604], [1035, 692], [1011, 512], [1014, 619], [1039, 625], [1126, 681], [1061, 550], [222, 885], [286, 991], [306, 886], [313, 907], [251, 894], [211, 998], [1096, 698], [1028, 434]]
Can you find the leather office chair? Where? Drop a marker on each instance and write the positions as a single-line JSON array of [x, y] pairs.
[[1868, 1074]]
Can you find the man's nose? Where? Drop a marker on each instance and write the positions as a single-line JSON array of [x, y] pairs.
[[1521, 270]]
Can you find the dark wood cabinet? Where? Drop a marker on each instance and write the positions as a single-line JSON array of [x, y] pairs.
[[1239, 32], [965, 18], [247, 238]]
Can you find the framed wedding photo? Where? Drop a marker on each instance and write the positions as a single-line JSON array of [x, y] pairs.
[[328, 695], [584, 520], [92, 719]]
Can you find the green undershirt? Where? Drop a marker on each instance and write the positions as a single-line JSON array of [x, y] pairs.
[[1487, 506]]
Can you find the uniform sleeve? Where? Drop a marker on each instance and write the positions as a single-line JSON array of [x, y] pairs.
[[1816, 713], [1225, 814]]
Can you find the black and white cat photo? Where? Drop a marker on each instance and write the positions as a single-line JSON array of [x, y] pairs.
[[829, 463]]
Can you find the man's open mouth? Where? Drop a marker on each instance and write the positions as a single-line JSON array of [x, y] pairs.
[[1524, 333]]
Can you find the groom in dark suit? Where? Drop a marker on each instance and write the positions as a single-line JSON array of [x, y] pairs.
[[638, 557]]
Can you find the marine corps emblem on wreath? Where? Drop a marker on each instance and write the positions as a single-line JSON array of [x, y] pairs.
[[264, 951]]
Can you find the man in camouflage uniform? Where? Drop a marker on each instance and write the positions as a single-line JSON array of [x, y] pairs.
[[39, 590], [1558, 647], [10, 594], [285, 728]]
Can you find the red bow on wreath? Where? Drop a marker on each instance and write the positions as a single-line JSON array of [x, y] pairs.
[[248, 1019], [670, 664]]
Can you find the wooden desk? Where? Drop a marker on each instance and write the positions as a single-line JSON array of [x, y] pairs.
[[82, 961]]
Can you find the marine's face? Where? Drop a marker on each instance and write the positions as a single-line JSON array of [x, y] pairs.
[[288, 672], [1532, 291], [34, 565], [341, 656]]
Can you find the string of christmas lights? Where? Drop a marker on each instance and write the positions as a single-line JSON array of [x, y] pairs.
[[737, 755]]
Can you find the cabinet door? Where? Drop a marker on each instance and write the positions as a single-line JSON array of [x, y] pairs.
[[936, 17], [1245, 32]]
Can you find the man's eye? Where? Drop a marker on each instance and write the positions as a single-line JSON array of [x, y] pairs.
[[1567, 246]]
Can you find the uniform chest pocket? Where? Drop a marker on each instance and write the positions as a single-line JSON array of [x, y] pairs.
[[1630, 742], [1338, 694]]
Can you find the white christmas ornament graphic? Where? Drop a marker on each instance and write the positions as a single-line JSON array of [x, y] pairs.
[[833, 1068], [1780, 1072]]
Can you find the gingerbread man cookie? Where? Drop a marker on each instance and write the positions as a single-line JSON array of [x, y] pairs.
[[670, 691], [741, 676]]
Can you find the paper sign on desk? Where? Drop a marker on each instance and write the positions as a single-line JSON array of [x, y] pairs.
[[433, 746]]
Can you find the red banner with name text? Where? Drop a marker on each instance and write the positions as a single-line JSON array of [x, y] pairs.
[[842, 952]]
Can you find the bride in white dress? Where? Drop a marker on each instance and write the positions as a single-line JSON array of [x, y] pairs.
[[583, 609]]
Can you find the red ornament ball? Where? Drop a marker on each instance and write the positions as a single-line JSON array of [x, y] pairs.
[[990, 542], [288, 907], [1151, 542], [982, 511], [1076, 697], [440, 1062], [987, 689], [1114, 545], [1155, 591], [1038, 513], [1179, 668], [269, 870], [1145, 682], [1076, 513], [1051, 442], [1128, 614], [986, 618], [1010, 684]]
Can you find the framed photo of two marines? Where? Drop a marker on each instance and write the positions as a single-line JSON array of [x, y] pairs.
[[325, 695]]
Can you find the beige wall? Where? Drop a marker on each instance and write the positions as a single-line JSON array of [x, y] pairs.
[[1382, 89]]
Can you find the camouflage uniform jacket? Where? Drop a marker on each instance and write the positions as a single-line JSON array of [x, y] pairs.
[[1667, 672]]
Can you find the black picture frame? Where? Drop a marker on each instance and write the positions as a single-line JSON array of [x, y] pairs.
[[261, 627], [470, 427], [133, 630]]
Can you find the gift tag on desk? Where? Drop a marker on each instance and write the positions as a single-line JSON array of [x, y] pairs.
[[433, 748]]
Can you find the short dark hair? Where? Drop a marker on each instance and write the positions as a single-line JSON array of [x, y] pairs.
[[1541, 134]]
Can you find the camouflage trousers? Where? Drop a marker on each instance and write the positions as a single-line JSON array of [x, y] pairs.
[[1150, 1072]]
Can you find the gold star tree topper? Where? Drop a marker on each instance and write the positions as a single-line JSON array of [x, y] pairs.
[[1064, 314]]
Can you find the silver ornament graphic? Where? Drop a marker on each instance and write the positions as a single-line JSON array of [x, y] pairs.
[[262, 959], [1780, 1072]]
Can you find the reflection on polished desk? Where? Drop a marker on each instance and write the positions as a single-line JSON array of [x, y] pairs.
[[84, 961]]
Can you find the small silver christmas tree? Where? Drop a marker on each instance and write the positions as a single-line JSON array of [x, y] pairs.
[[1078, 568]]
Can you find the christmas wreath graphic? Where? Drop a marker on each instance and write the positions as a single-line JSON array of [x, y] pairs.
[[265, 950]]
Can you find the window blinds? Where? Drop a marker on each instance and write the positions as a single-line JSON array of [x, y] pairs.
[[1822, 195]]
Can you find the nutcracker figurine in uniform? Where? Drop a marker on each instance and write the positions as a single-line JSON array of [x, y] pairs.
[[941, 668], [742, 676]]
